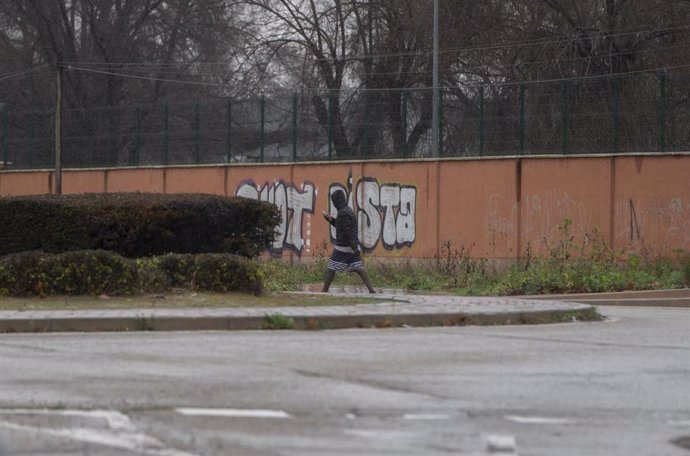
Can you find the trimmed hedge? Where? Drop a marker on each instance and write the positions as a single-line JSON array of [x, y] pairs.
[[137, 224], [212, 272], [72, 273], [96, 272]]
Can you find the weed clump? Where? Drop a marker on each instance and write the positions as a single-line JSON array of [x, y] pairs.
[[569, 266]]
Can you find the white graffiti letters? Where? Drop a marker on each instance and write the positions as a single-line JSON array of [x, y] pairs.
[[368, 216], [292, 203], [384, 212]]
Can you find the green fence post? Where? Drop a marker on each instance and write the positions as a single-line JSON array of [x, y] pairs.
[[109, 156], [137, 139], [84, 147], [166, 135], [564, 116], [481, 120], [31, 139], [294, 127], [51, 156], [662, 112], [365, 137], [330, 126], [5, 139], [405, 99], [228, 151], [440, 121], [616, 114], [197, 133], [262, 103], [522, 119]]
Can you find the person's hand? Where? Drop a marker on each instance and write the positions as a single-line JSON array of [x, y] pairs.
[[328, 217]]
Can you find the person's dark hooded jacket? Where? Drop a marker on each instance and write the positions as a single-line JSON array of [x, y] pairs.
[[345, 223]]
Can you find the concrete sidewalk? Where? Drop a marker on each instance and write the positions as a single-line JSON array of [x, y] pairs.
[[395, 309], [648, 298]]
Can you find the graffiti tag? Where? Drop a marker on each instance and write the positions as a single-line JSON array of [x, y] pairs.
[[384, 212], [293, 205]]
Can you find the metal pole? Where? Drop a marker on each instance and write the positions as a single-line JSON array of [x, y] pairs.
[[564, 107], [404, 120], [294, 127], [365, 139], [481, 120], [440, 123], [197, 133], [5, 139], [616, 114], [435, 136], [166, 135], [662, 112], [58, 133], [228, 156], [330, 126], [522, 119], [262, 107], [30, 129], [137, 138], [111, 159]]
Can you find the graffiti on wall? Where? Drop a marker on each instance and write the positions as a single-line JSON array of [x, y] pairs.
[[545, 213], [656, 221], [386, 213], [293, 203]]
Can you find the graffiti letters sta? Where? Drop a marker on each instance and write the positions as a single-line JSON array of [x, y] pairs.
[[385, 212]]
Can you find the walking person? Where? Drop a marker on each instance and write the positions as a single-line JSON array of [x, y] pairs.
[[346, 252]]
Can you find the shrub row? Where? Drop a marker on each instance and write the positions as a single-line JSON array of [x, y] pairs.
[[96, 272], [137, 225]]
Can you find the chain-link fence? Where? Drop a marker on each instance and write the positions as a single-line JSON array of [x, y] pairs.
[[636, 113]]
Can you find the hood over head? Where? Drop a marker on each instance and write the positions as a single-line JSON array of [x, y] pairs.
[[338, 199]]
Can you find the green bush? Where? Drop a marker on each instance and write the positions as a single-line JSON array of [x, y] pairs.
[[137, 224], [20, 274], [212, 272], [89, 272], [85, 272]]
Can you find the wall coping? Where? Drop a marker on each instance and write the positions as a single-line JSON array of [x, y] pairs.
[[345, 162]]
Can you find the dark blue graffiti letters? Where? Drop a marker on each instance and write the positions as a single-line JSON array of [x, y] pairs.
[[293, 205]]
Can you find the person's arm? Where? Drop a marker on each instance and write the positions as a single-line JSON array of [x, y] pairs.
[[329, 218]]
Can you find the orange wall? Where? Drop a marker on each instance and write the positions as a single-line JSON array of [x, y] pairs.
[[493, 208], [553, 190], [652, 203]]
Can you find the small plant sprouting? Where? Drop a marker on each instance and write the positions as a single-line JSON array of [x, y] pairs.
[[278, 321]]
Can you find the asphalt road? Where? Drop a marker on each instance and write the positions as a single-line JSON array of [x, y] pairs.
[[619, 387]]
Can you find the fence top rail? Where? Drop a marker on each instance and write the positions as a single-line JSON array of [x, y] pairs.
[[360, 161]]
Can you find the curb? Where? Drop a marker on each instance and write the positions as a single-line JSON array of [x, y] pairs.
[[646, 298], [330, 318]]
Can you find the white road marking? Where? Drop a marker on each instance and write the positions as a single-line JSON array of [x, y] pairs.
[[232, 413], [538, 420], [425, 416], [120, 433], [502, 444], [115, 419]]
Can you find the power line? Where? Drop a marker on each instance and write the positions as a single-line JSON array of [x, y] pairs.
[[512, 44], [21, 74], [148, 68], [479, 47], [496, 84]]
